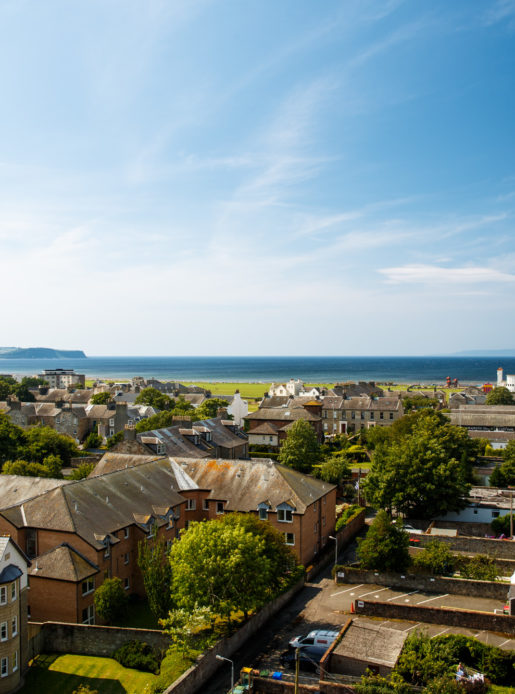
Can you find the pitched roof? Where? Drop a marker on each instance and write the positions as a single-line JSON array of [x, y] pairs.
[[97, 506], [247, 483], [14, 489], [110, 462], [283, 414], [371, 643], [265, 428], [64, 563]]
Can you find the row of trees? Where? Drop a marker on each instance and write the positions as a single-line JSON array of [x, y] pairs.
[[21, 389], [37, 451]]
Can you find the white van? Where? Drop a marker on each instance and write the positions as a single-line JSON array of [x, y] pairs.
[[322, 639]]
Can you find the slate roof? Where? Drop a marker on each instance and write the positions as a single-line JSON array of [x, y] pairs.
[[283, 414], [247, 483], [265, 428], [14, 489], [371, 643], [95, 507], [110, 462], [275, 401], [64, 563]]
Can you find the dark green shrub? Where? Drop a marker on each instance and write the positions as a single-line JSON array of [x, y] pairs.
[[480, 567], [349, 514], [137, 655], [436, 558]]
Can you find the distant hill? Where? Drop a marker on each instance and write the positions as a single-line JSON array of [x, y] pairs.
[[486, 353], [40, 353]]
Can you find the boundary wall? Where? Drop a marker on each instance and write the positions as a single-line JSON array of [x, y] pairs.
[[504, 624], [502, 549], [429, 584]]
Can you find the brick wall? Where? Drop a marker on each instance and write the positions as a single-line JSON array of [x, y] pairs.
[[265, 685], [430, 584], [345, 536], [505, 624]]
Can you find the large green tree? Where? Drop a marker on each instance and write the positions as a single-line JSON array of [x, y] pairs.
[[12, 439], [102, 398], [301, 449], [223, 566], [41, 442], [504, 475], [154, 398], [110, 599], [385, 547], [424, 470], [209, 408], [157, 574], [499, 396]]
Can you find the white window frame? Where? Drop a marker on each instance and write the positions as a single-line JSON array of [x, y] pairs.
[[3, 595], [14, 592], [15, 661], [292, 544], [282, 515], [126, 533], [90, 586], [4, 631], [4, 667], [191, 505], [14, 626]]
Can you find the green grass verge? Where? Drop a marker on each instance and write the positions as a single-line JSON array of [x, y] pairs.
[[63, 674]]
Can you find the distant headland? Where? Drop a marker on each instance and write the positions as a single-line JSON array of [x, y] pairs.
[[40, 353]]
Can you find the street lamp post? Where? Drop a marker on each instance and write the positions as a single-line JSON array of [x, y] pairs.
[[220, 657], [331, 537]]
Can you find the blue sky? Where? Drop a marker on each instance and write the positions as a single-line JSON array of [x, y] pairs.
[[257, 177]]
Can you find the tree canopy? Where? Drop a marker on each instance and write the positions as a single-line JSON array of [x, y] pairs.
[[504, 475], [301, 449], [154, 398], [110, 599], [424, 470], [227, 565], [499, 396], [157, 574], [209, 408], [385, 547], [103, 398]]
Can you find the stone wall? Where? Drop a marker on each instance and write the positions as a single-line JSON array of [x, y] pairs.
[[503, 549], [429, 584], [194, 678], [83, 639], [345, 536], [266, 685], [505, 566], [505, 624]]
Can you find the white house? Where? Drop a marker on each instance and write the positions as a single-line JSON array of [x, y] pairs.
[[238, 408], [508, 383], [294, 387]]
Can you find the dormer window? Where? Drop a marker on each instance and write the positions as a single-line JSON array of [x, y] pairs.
[[285, 513], [160, 448], [219, 507], [263, 509]]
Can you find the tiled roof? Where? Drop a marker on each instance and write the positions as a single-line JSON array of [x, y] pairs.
[[282, 414], [14, 489], [100, 505], [64, 563], [110, 462], [247, 483]]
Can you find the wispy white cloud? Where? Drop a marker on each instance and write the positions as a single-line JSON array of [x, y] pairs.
[[432, 274], [500, 11]]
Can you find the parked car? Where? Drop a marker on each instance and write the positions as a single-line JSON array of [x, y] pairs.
[[318, 637], [410, 529]]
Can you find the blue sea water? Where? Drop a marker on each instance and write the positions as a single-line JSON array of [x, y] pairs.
[[429, 370]]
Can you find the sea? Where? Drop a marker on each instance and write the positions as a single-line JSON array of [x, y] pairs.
[[412, 370]]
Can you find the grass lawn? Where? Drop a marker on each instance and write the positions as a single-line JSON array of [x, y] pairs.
[[54, 674]]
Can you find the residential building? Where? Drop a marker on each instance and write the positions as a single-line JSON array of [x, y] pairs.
[[293, 387], [62, 378], [365, 412], [279, 421], [13, 614]]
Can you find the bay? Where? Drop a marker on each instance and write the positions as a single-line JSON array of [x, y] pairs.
[[311, 369]]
